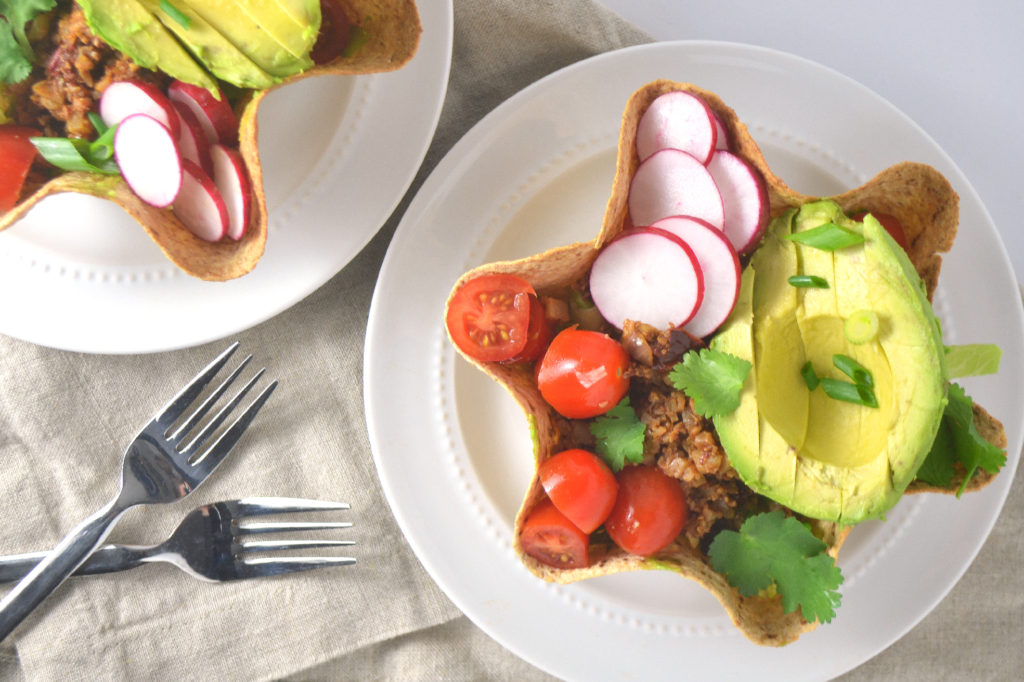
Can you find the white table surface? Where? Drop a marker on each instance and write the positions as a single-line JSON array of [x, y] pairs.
[[955, 68]]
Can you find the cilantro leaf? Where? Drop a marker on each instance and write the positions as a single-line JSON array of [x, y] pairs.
[[14, 65], [772, 548], [16, 55], [958, 440], [973, 450], [713, 379], [620, 436], [937, 468]]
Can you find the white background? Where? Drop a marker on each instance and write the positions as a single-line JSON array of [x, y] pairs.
[[956, 68]]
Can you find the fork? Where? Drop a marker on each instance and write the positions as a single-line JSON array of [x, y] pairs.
[[163, 463], [205, 544]]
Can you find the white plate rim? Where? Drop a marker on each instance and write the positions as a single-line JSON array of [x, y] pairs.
[[146, 305], [379, 401]]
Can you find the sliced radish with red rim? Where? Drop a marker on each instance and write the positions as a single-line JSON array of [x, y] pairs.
[[232, 182], [719, 264], [199, 205], [677, 120], [744, 198], [192, 142], [147, 154], [127, 98], [673, 182], [216, 116], [647, 275], [721, 135]]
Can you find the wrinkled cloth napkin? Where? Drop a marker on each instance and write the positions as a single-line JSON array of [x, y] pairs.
[[66, 417]]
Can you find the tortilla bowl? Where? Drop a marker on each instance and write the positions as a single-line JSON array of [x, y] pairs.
[[392, 33], [917, 195]]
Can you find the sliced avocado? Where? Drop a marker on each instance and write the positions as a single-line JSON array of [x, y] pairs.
[[262, 31], [294, 25], [221, 57], [130, 28], [822, 457]]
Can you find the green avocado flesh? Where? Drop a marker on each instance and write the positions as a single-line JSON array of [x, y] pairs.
[[249, 43], [822, 457]]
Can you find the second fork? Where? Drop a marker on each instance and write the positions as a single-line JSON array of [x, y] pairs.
[[212, 543]]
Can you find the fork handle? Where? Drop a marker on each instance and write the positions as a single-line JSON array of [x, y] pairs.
[[61, 562], [106, 559]]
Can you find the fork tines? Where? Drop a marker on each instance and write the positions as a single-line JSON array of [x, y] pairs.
[[266, 566], [175, 410]]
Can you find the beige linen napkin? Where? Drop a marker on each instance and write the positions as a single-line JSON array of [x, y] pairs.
[[65, 418]]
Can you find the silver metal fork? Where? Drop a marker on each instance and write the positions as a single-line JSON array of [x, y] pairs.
[[164, 463], [210, 544]]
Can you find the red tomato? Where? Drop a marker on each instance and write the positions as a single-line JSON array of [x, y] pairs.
[[582, 374], [891, 224], [335, 32], [649, 512], [538, 334], [581, 486], [552, 539], [16, 156], [489, 317]]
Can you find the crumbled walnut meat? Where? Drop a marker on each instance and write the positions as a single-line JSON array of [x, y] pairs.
[[79, 68]]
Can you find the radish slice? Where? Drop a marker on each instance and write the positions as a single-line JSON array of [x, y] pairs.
[[199, 206], [148, 158], [677, 120], [719, 264], [215, 115], [672, 182], [744, 197], [721, 135], [192, 144], [125, 98], [647, 275], [233, 184]]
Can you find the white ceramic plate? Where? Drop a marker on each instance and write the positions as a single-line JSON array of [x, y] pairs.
[[338, 154], [536, 173]]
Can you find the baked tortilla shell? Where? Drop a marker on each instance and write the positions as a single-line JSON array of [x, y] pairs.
[[918, 195], [392, 30]]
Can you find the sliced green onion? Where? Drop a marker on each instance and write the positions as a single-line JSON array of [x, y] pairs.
[[97, 122], [175, 13], [808, 282], [102, 148], [850, 393], [853, 369], [827, 237], [810, 376], [972, 359], [72, 155], [861, 327]]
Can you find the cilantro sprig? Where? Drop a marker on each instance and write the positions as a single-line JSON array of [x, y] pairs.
[[958, 440], [713, 379], [620, 436], [775, 549], [16, 53]]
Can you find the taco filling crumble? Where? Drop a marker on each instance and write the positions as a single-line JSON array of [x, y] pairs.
[[731, 375], [153, 104]]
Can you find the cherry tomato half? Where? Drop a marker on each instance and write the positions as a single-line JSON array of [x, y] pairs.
[[335, 32], [538, 335], [582, 374], [580, 485], [552, 539], [16, 156], [891, 224], [649, 512], [489, 317]]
